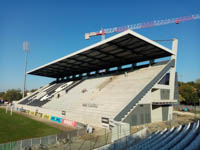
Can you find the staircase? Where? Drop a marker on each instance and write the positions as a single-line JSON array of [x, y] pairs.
[[130, 107]]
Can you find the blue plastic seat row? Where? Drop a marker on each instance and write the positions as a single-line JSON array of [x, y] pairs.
[[178, 138], [187, 139], [151, 139], [157, 141], [195, 144], [167, 139], [153, 135]]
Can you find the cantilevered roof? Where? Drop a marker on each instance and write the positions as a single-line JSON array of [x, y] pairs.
[[121, 49]]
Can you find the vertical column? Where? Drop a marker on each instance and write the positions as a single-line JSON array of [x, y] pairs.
[[119, 68], [106, 70], [173, 69], [134, 65], [151, 62]]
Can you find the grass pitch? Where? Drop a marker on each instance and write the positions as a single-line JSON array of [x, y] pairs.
[[17, 127]]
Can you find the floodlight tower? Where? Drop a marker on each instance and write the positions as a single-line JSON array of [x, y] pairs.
[[26, 50]]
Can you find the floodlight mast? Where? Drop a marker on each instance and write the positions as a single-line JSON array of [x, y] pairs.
[[154, 23], [26, 50]]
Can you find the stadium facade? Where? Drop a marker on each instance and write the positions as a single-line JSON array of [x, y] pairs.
[[120, 79]]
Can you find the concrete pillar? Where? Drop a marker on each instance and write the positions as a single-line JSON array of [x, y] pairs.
[[134, 65], [97, 72], [151, 62], [119, 68], [173, 69], [106, 70]]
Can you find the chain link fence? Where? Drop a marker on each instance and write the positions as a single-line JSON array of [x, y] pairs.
[[77, 140], [28, 143], [102, 142], [38, 143]]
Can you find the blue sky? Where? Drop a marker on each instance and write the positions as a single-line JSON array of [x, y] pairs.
[[56, 28]]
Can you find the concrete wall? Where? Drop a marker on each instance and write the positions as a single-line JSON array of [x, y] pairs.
[[156, 115], [161, 113], [140, 115], [164, 94], [147, 98], [160, 94]]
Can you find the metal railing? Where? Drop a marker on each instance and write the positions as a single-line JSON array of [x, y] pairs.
[[40, 142]]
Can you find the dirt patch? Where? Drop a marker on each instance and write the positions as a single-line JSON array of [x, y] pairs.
[[179, 118]]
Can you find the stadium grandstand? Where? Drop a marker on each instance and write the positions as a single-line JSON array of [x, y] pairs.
[[120, 79], [184, 136]]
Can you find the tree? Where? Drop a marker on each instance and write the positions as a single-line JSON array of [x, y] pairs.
[[2, 95], [189, 93], [12, 95], [197, 81], [33, 90]]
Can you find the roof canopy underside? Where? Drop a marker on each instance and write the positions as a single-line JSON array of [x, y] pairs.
[[125, 48]]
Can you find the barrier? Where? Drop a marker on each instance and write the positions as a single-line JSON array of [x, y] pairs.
[[56, 119], [32, 113], [27, 111], [8, 146], [69, 122], [38, 114], [45, 116]]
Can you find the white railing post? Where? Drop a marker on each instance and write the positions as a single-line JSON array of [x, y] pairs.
[[31, 142], [21, 145]]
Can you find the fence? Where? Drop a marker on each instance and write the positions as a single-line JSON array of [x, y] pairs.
[[102, 142], [41, 141], [126, 142], [77, 140], [190, 107]]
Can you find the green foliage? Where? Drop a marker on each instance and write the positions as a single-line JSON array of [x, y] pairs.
[[13, 94], [197, 81], [2, 95], [189, 93], [17, 127], [33, 90]]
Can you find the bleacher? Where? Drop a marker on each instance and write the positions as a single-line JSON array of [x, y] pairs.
[[87, 90], [178, 138], [105, 95], [44, 95]]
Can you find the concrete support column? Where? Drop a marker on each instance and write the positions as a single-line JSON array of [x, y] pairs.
[[97, 72], [173, 69], [134, 65], [119, 68], [151, 62], [106, 71]]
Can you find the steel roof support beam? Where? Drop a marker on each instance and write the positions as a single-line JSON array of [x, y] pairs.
[[94, 58], [108, 54], [89, 63], [125, 48]]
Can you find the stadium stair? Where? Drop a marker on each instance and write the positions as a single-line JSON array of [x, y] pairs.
[[130, 107], [108, 94]]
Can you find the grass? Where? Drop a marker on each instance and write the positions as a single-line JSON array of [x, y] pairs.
[[17, 127]]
